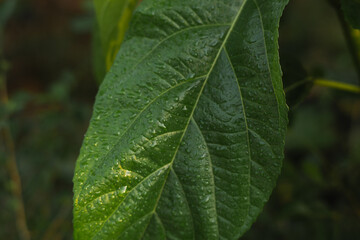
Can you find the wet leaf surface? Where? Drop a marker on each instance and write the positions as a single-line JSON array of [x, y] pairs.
[[187, 135]]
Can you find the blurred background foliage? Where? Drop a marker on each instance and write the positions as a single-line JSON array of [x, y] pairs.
[[51, 88]]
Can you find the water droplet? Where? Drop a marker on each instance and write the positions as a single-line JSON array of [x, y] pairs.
[[123, 189]]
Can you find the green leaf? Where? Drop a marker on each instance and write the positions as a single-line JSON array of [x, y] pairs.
[[187, 135], [113, 18], [351, 10], [98, 59]]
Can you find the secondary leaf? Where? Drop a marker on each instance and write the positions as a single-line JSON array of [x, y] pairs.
[[187, 135], [113, 17], [351, 10], [98, 59]]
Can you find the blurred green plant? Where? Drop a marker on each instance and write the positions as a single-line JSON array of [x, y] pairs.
[[351, 10], [30, 147], [7, 8], [349, 18]]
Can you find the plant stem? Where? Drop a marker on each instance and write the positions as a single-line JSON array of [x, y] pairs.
[[325, 83], [10, 156], [337, 85], [349, 38]]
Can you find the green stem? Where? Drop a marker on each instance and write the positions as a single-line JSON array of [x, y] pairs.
[[325, 83], [337, 85], [349, 38]]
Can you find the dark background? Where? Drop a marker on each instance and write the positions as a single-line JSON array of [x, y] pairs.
[[51, 87]]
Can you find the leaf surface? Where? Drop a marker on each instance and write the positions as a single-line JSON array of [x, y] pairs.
[[187, 135]]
